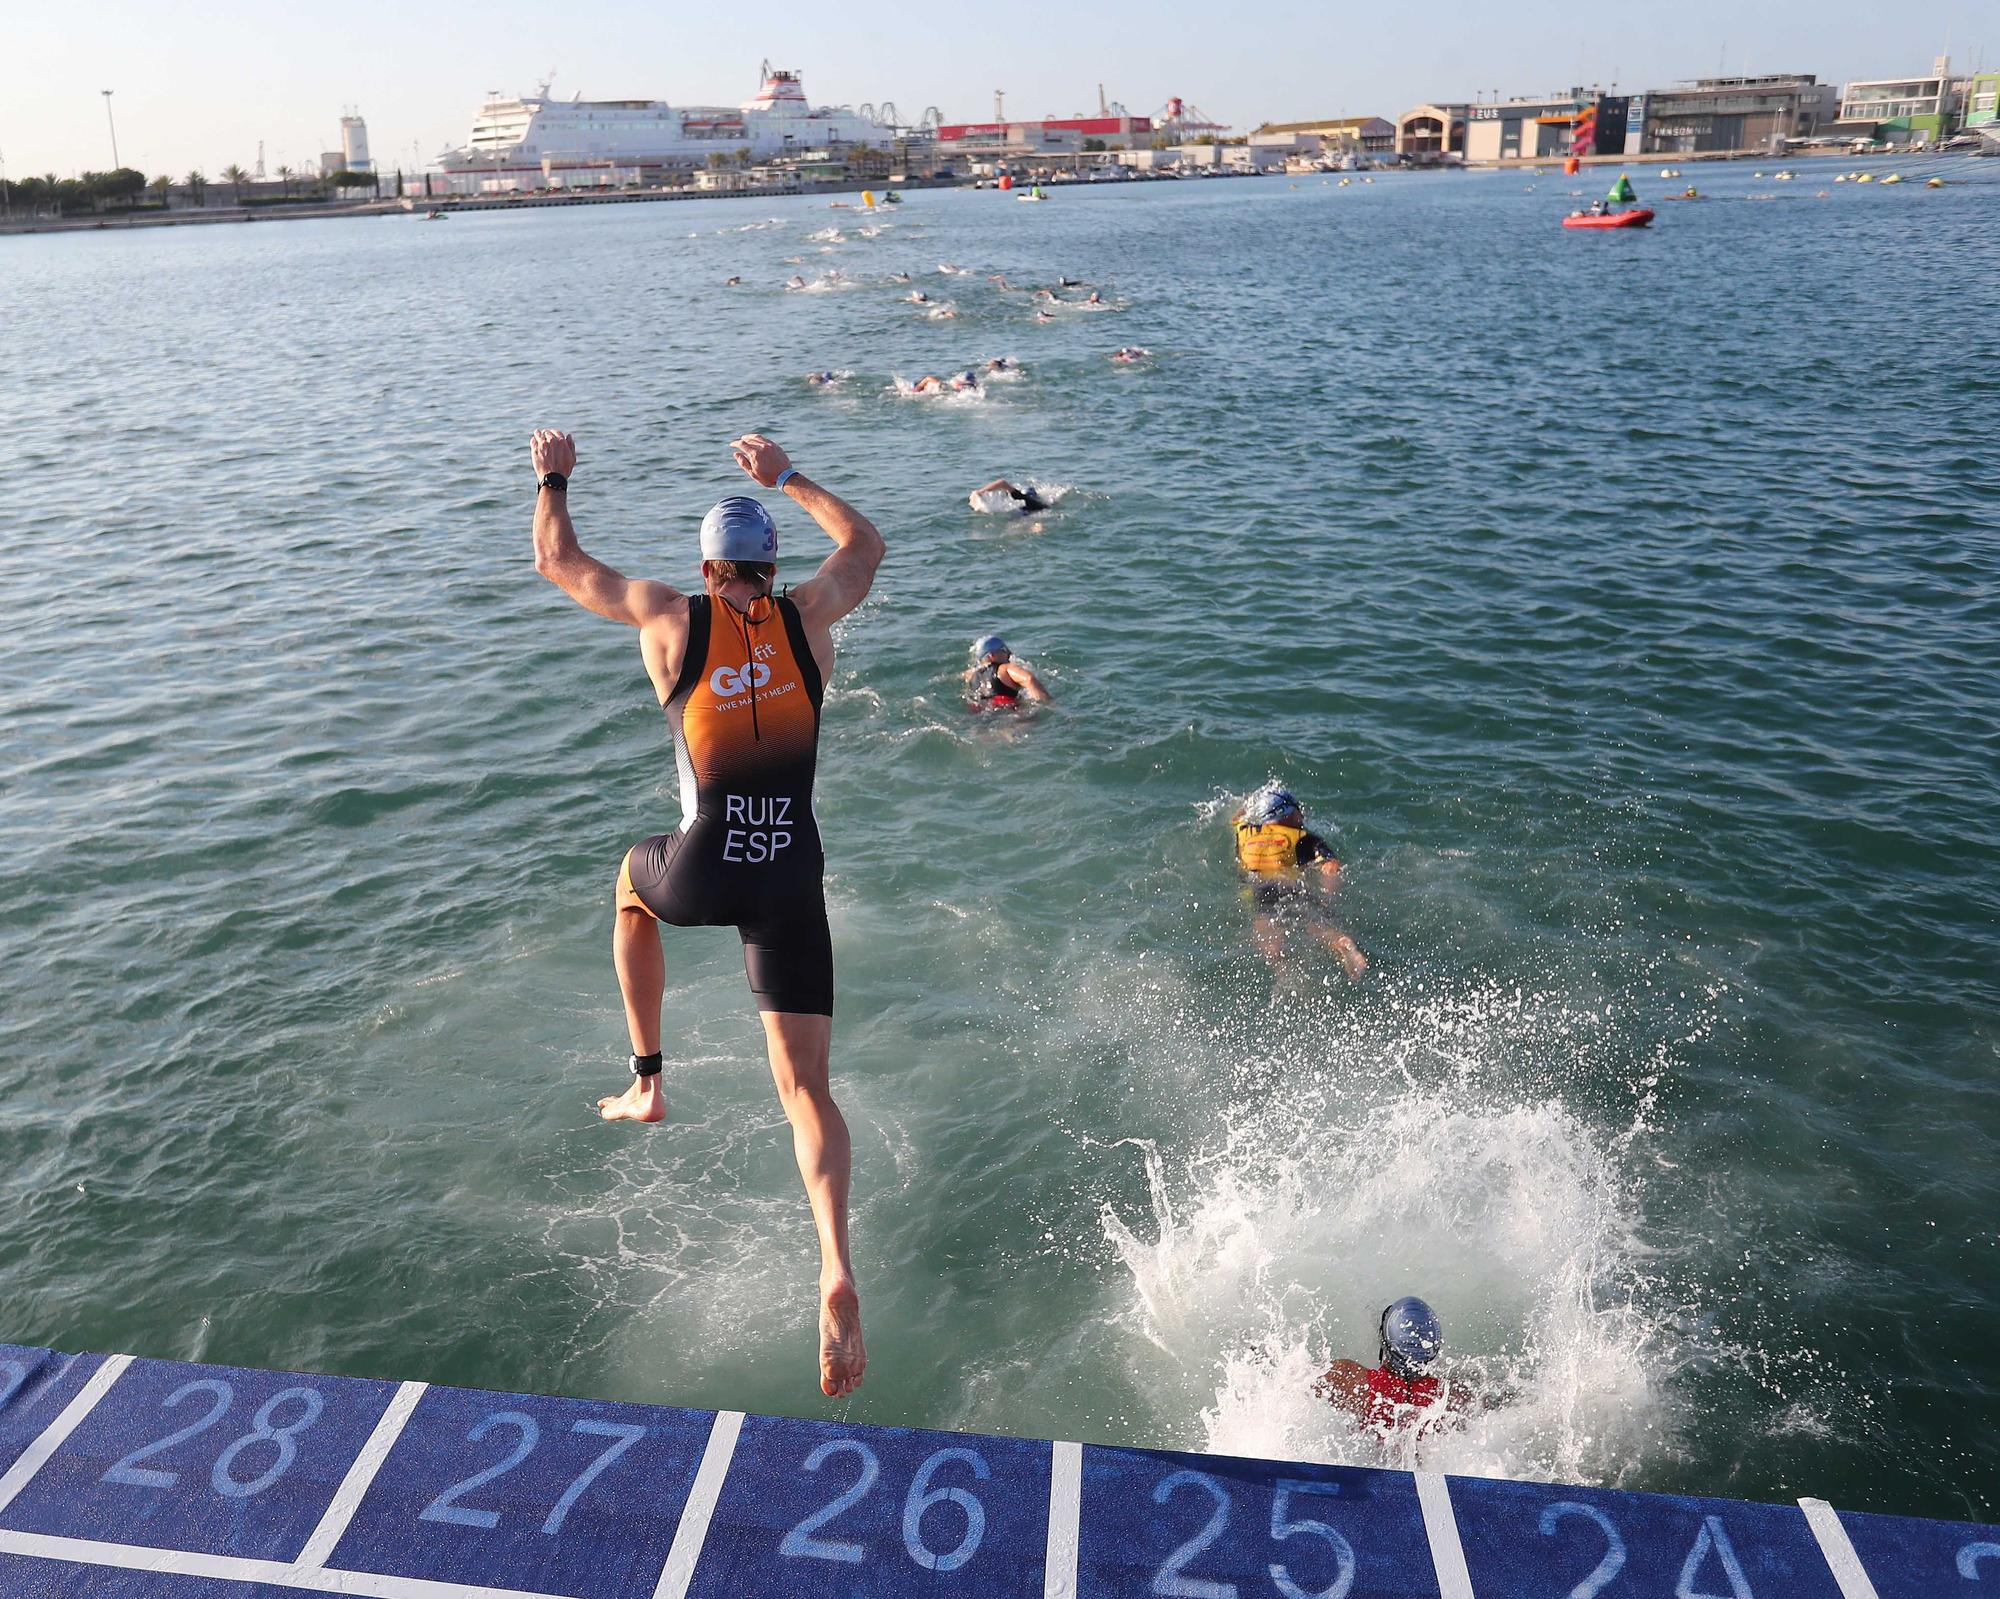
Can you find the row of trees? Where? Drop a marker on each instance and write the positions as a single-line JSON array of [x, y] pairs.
[[98, 191]]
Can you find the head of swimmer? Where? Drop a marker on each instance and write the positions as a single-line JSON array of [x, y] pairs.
[[739, 550], [1273, 803], [1411, 1337]]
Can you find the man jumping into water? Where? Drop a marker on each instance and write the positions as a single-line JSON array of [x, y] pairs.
[[740, 674]]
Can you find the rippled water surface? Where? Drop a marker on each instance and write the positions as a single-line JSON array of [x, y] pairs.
[[1624, 607]]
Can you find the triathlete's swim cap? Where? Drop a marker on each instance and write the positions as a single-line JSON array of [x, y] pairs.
[[991, 644], [1410, 1333], [1268, 804], [739, 529]]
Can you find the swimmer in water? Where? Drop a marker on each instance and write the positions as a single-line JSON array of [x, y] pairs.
[[1003, 363], [1399, 1391], [730, 283], [966, 382], [1026, 501], [999, 281], [740, 675], [1130, 353], [1045, 316], [929, 383], [996, 681], [918, 297], [899, 277], [1289, 872], [1093, 298], [820, 380], [1069, 283], [795, 282]]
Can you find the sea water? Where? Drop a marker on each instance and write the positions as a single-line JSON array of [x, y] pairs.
[[1622, 607]]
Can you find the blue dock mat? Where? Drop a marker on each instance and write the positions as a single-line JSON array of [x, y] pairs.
[[149, 1479]]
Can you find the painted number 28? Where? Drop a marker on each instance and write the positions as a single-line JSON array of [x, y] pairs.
[[282, 1439], [800, 1544]]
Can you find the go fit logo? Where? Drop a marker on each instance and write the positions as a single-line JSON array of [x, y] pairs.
[[726, 681]]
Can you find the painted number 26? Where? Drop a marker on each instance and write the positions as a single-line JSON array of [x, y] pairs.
[[800, 1544]]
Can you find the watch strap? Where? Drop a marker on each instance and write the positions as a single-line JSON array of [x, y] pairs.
[[554, 480], [785, 477]]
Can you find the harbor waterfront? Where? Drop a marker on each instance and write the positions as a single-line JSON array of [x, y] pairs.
[[1622, 607]]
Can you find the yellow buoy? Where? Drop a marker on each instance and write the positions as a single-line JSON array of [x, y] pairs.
[[1935, 183]]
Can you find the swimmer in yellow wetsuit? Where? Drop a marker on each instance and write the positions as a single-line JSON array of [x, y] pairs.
[[1290, 871]]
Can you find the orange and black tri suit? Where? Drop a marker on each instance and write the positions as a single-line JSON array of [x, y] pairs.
[[1274, 856], [744, 714]]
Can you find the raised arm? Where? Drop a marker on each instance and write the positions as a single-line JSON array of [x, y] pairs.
[[560, 559], [844, 577]]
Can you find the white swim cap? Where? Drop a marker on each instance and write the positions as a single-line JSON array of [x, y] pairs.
[[739, 529]]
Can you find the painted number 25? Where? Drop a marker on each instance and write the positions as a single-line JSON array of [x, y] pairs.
[[800, 1544], [1172, 1581], [446, 1508]]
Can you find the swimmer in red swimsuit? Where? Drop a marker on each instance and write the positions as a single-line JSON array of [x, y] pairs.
[[996, 681], [1400, 1391]]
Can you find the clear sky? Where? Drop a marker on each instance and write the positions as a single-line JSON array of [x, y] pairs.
[[200, 86]]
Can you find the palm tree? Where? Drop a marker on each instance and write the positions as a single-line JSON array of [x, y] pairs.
[[285, 177], [197, 182], [162, 186], [235, 176]]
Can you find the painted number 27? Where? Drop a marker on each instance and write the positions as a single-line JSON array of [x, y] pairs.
[[447, 1509]]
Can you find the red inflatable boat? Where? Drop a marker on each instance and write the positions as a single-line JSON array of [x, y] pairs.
[[1611, 219]]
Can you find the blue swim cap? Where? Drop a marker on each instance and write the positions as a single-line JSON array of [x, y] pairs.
[[1411, 1335], [739, 529], [1268, 804], [991, 644]]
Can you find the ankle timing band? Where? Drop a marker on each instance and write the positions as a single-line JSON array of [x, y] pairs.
[[646, 1065]]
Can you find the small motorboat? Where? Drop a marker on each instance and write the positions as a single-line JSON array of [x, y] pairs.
[[1638, 217]]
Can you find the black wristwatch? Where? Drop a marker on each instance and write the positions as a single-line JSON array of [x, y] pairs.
[[556, 481]]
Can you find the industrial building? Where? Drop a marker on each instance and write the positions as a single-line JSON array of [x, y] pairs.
[[1900, 110], [987, 140], [1577, 122], [1726, 114], [1342, 135], [1980, 100], [1431, 132]]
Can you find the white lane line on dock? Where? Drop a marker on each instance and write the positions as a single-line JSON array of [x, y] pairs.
[[36, 1455], [1065, 1520], [1838, 1549], [692, 1533], [347, 1499], [1441, 1526], [234, 1568]]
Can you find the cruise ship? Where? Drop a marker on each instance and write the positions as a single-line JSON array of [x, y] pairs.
[[536, 141]]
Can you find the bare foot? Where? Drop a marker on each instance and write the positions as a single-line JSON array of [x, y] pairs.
[[1351, 958], [842, 1357], [642, 1102]]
